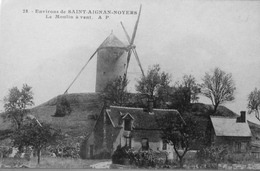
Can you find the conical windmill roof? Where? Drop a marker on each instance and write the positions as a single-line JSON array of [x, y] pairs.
[[112, 41]]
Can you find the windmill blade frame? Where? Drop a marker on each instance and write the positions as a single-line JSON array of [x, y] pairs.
[[136, 25], [80, 71], [133, 49], [131, 41], [83, 68]]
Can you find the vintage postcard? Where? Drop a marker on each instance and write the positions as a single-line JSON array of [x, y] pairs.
[[130, 84]]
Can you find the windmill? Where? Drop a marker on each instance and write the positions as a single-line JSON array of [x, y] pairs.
[[113, 58]]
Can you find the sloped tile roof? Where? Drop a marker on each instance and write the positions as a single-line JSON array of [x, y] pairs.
[[229, 127], [142, 119]]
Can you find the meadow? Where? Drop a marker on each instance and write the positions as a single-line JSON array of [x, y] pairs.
[[49, 162]]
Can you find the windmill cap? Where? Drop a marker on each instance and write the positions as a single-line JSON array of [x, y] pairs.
[[112, 42]]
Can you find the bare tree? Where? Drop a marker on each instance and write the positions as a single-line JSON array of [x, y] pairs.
[[254, 103], [219, 87]]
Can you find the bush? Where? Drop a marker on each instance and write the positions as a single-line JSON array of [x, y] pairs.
[[210, 157], [62, 107], [120, 155], [141, 159], [5, 151]]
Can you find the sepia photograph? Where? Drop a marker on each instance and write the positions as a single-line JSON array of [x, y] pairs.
[[130, 84]]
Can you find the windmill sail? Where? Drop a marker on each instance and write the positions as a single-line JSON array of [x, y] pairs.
[[131, 42], [134, 50]]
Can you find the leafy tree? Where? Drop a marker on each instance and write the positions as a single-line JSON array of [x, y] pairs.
[[181, 132], [219, 87], [180, 98], [184, 93], [189, 82], [116, 91], [36, 135], [155, 85], [254, 103], [16, 104]]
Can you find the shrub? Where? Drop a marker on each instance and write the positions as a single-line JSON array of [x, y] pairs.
[[5, 151], [67, 146], [120, 155], [62, 107], [141, 159], [209, 157]]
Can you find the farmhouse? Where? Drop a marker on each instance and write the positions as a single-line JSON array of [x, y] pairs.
[[127, 126], [233, 132]]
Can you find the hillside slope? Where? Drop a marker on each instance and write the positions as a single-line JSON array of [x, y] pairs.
[[85, 105], [79, 122]]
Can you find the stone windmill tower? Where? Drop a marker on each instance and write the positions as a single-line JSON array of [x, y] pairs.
[[113, 59]]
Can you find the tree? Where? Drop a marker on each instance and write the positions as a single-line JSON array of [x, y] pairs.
[[36, 135], [116, 91], [155, 85], [219, 87], [182, 132], [254, 103], [184, 93], [189, 82], [16, 103]]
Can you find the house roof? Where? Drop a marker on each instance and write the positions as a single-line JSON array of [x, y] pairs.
[[142, 119], [229, 127], [112, 41]]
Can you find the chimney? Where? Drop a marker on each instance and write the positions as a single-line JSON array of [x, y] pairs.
[[243, 116], [150, 106]]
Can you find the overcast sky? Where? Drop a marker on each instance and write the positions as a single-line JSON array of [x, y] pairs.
[[184, 37]]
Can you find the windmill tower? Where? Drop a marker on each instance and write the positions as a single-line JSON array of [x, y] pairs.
[[113, 59]]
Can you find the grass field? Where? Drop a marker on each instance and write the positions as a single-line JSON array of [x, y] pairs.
[[49, 162]]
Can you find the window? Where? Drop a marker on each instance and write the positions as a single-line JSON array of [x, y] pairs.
[[164, 147], [127, 124], [145, 144], [128, 141], [237, 146]]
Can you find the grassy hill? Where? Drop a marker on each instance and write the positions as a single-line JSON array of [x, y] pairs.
[[84, 105], [79, 122]]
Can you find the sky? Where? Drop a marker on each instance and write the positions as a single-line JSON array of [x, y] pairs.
[[184, 37]]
